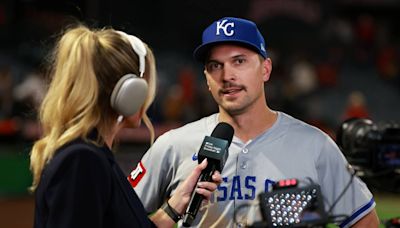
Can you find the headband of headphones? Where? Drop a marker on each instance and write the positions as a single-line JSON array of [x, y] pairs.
[[139, 48]]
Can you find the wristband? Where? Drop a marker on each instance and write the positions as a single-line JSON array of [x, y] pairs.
[[171, 212]]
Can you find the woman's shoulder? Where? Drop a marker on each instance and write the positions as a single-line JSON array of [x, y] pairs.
[[78, 153], [76, 158], [79, 148]]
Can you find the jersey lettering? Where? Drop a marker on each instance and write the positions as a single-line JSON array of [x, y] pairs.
[[236, 188], [268, 185], [251, 188], [137, 174], [222, 189], [233, 188]]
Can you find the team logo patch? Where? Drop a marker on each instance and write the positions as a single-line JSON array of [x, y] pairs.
[[227, 28], [137, 174]]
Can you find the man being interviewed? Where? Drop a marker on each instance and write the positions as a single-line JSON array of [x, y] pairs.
[[267, 146]]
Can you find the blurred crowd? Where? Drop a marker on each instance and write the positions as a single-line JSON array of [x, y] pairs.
[[350, 68]]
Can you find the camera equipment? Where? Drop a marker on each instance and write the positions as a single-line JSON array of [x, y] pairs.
[[370, 146], [290, 206]]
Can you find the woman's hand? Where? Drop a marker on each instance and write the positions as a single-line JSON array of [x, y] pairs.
[[180, 200]]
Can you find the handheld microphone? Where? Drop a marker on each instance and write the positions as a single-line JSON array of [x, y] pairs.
[[215, 149]]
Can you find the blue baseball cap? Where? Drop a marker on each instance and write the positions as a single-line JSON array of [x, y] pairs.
[[231, 29]]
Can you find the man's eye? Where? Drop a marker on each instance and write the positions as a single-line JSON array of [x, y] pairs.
[[213, 66], [240, 61]]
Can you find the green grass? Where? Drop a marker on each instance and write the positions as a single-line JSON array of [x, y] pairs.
[[387, 205], [15, 176]]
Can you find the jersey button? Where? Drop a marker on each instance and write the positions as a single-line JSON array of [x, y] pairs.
[[245, 150]]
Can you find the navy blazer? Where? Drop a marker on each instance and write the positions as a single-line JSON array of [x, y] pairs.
[[83, 186]]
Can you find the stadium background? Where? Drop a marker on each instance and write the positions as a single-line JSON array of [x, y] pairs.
[[331, 60]]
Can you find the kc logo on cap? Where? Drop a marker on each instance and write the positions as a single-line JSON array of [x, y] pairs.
[[225, 26], [233, 30]]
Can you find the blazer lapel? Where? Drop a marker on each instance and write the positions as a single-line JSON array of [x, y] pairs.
[[131, 197]]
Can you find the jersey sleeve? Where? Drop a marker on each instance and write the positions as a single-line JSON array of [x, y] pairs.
[[335, 174], [79, 191], [152, 175]]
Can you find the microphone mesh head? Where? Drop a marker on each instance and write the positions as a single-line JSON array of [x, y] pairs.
[[223, 131]]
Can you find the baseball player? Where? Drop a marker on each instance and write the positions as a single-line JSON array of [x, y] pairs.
[[267, 146]]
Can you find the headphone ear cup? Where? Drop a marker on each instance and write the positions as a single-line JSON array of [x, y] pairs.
[[129, 94]]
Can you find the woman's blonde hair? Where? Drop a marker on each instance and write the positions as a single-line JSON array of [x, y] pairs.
[[85, 66]]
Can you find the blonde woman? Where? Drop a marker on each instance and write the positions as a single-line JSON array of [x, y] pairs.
[[102, 81]]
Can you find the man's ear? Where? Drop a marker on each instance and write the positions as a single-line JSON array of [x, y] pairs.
[[205, 75], [266, 69]]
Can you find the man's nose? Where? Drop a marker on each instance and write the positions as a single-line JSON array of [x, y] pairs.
[[228, 73]]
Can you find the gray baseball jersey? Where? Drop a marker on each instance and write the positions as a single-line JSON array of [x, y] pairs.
[[289, 149]]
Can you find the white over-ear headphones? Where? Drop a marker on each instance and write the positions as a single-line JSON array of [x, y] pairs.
[[130, 92]]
